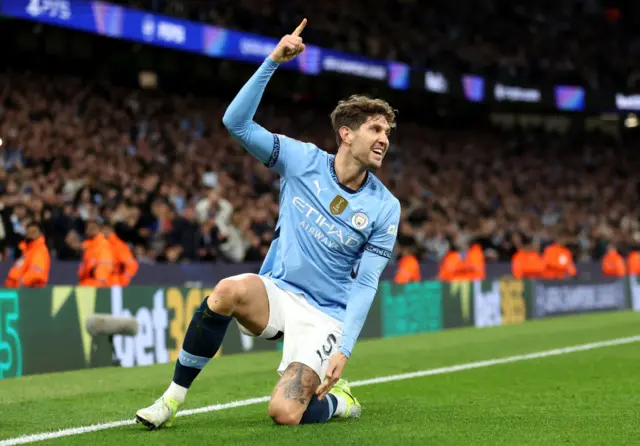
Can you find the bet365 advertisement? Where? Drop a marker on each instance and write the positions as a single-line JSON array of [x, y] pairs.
[[43, 330]]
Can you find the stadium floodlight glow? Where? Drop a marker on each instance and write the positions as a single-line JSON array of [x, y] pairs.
[[516, 93], [569, 97], [436, 82], [473, 87], [631, 121], [627, 102]]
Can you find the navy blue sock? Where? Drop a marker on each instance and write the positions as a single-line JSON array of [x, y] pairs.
[[201, 342], [320, 411]]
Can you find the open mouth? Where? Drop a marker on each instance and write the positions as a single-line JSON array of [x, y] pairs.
[[378, 151]]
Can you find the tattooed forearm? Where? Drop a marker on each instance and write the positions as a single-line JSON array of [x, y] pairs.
[[299, 382]]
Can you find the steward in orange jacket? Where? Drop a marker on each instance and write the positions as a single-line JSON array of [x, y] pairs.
[[613, 264], [527, 262], [408, 266], [125, 265], [463, 265], [558, 262], [633, 263], [32, 268], [97, 261]]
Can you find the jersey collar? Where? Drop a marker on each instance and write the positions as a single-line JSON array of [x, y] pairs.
[[332, 169]]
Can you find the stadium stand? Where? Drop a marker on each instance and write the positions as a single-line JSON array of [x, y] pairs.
[[567, 41], [161, 168], [178, 188]]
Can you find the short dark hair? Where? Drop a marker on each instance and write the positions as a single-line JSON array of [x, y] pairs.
[[34, 224], [356, 109]]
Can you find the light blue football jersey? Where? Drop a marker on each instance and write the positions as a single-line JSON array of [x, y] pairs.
[[324, 228], [331, 243]]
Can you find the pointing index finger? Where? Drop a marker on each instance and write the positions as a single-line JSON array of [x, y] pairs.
[[299, 29]]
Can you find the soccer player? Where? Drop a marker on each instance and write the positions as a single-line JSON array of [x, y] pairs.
[[336, 230]]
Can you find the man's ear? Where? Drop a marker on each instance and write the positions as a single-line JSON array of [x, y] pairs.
[[346, 134]]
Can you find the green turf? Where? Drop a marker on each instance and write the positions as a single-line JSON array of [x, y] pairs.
[[590, 397]]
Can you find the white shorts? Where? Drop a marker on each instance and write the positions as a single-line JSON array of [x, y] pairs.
[[310, 336]]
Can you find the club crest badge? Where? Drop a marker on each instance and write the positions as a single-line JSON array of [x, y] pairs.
[[360, 220]]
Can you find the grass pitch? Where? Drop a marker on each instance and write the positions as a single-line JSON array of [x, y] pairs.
[[589, 397]]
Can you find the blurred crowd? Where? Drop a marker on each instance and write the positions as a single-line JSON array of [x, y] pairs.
[[159, 169], [165, 174], [503, 191], [573, 41]]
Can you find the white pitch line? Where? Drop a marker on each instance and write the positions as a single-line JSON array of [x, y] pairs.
[[24, 439]]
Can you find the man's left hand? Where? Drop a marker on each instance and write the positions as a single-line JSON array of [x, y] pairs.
[[334, 372]]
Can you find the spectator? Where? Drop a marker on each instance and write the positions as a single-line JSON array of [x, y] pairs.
[[465, 263], [125, 265], [185, 233], [408, 266], [32, 268], [234, 246], [527, 262], [558, 261], [97, 265], [633, 263], [213, 206], [71, 248], [613, 264]]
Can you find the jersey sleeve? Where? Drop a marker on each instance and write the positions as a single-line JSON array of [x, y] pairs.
[[381, 243], [291, 157], [286, 155], [376, 255]]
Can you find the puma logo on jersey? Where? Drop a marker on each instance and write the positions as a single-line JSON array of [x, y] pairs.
[[319, 189]]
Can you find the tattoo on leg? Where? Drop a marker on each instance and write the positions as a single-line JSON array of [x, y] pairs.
[[299, 382]]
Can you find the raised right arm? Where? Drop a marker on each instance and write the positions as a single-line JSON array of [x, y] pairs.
[[238, 118]]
